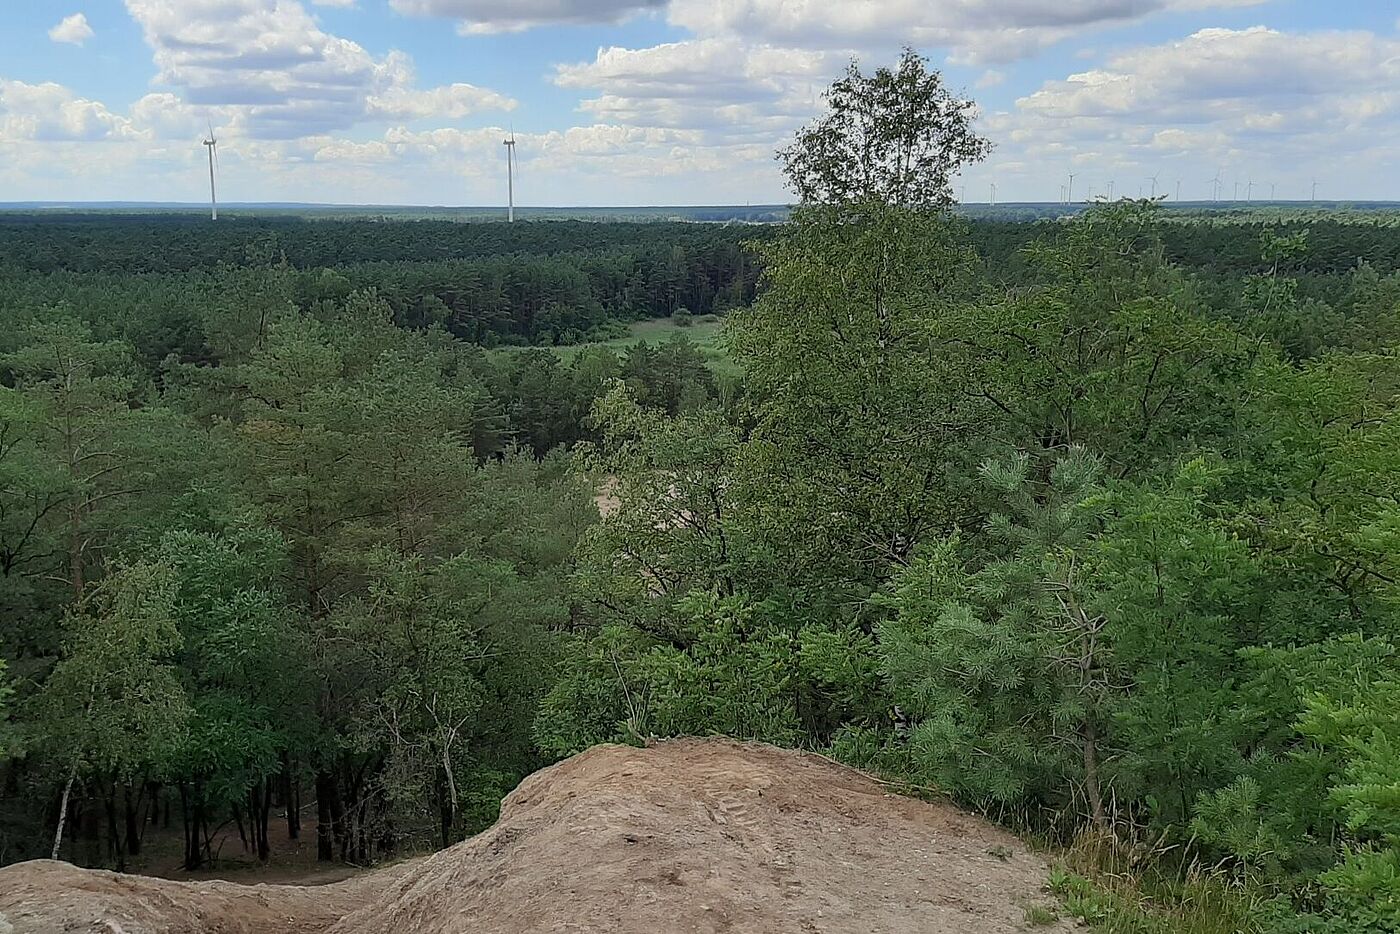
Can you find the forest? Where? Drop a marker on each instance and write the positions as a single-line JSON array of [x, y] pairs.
[[1092, 524]]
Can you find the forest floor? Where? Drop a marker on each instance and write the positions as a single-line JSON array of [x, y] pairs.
[[293, 860], [687, 835]]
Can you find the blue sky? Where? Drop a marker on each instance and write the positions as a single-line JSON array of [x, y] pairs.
[[679, 101]]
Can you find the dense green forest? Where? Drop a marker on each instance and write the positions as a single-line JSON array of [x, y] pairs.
[[1092, 523]]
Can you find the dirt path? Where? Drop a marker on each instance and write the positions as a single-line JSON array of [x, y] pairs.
[[684, 836]]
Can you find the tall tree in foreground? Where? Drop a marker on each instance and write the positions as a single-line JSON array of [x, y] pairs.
[[860, 413], [895, 137], [114, 709], [754, 547]]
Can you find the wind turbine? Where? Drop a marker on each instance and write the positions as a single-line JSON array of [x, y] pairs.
[[1237, 189], [994, 194], [1314, 196], [509, 143], [1273, 188], [1178, 189], [1153, 179], [1069, 192], [1110, 189], [212, 144], [1249, 191], [1216, 182]]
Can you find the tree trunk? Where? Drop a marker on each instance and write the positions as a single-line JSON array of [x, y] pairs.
[[291, 797], [259, 804], [134, 823], [75, 552], [192, 815], [238, 819], [63, 811], [325, 832], [444, 812], [343, 819], [116, 846], [293, 807], [1091, 776]]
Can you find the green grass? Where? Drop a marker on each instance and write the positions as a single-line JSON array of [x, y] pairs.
[[704, 333], [1113, 892]]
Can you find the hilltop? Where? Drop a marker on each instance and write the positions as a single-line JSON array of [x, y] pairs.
[[687, 835]]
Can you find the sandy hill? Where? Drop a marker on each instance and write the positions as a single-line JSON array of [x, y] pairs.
[[684, 836]]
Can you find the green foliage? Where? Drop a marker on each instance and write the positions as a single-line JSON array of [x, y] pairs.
[[730, 668], [991, 660], [1359, 723], [1085, 522], [1117, 904], [114, 702], [895, 137]]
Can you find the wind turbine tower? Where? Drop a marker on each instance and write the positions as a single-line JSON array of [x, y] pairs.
[[1110, 189], [1069, 192], [1178, 189], [212, 144], [1314, 195], [509, 143], [994, 194], [1153, 179], [1215, 182]]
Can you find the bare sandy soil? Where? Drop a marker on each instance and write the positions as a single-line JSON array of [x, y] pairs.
[[684, 836]]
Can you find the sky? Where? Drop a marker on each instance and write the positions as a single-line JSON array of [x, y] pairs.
[[644, 102]]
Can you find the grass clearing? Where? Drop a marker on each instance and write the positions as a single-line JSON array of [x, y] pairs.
[[703, 332]]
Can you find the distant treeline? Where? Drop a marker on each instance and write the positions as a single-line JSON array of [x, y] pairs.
[[547, 282], [1217, 244], [183, 242], [529, 283]]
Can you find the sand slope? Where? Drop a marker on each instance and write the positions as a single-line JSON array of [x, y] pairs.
[[683, 836]]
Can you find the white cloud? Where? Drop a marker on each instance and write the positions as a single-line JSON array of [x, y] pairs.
[[754, 70], [303, 114], [397, 99], [986, 31], [1255, 103], [1236, 76], [989, 30], [72, 29], [719, 84], [50, 112], [269, 63], [582, 164], [491, 16]]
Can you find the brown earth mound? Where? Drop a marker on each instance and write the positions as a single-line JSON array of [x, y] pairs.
[[689, 835]]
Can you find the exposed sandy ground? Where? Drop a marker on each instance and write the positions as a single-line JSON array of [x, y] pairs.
[[684, 836], [47, 897]]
